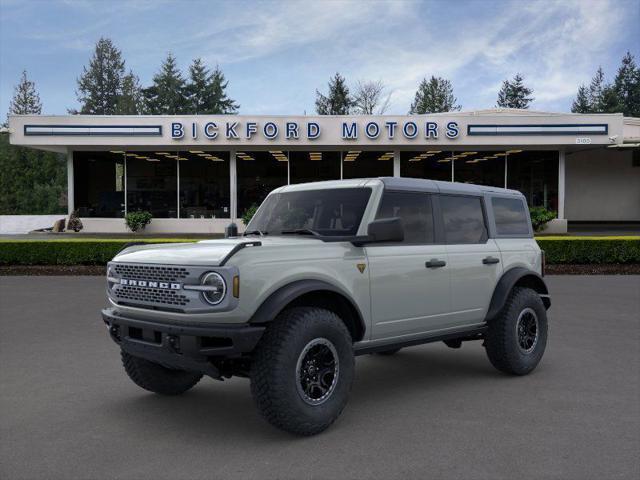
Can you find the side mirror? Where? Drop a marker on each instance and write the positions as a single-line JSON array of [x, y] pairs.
[[385, 230]]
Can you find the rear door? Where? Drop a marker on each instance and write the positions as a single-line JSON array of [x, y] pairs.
[[410, 290], [474, 258]]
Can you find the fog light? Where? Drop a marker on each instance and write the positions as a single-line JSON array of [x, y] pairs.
[[216, 288]]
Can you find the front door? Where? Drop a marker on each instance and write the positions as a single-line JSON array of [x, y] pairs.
[[410, 288]]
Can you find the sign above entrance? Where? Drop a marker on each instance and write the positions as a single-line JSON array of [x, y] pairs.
[[294, 130]]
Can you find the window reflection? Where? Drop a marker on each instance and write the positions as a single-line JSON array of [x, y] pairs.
[[314, 166], [204, 184], [365, 164], [258, 173], [432, 164], [152, 183], [99, 184]]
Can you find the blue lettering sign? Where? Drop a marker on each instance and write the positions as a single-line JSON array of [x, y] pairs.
[[194, 130], [177, 130], [210, 130], [313, 130], [231, 130], [432, 130], [452, 130], [349, 132], [252, 127], [292, 130], [372, 130], [270, 130], [391, 128], [410, 130]]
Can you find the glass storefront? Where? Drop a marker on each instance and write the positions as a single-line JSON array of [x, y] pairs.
[[258, 173], [99, 184], [367, 164], [196, 184]]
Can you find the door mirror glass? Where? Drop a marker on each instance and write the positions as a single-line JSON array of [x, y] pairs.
[[385, 230]]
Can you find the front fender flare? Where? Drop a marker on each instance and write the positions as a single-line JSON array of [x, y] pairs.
[[517, 275], [282, 297]]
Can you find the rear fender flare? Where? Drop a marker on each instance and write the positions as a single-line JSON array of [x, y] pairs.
[[515, 277]]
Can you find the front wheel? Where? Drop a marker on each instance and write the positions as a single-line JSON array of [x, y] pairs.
[[517, 337], [302, 370]]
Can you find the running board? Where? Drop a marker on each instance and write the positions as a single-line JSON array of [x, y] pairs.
[[463, 335]]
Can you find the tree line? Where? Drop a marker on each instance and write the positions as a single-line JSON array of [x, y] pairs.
[[33, 181]]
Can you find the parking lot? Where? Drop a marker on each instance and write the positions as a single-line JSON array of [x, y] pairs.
[[68, 411]]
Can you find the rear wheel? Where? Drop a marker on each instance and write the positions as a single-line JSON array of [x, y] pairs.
[[302, 370], [517, 337], [156, 378]]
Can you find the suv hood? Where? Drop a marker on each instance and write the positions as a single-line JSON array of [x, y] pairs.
[[206, 252]]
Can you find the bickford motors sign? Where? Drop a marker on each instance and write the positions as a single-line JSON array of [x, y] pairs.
[[294, 130]]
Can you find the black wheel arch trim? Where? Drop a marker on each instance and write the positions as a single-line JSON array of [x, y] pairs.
[[512, 277], [278, 300]]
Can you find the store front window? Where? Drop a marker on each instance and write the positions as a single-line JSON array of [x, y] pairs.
[[99, 184], [314, 166], [432, 164], [152, 183], [479, 167], [366, 164], [535, 174], [258, 173], [204, 184]]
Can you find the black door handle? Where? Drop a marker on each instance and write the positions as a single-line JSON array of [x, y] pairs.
[[435, 263], [490, 260]]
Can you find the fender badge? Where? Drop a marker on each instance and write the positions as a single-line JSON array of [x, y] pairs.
[[361, 267]]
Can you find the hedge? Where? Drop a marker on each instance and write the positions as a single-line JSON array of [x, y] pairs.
[[76, 251], [590, 250], [79, 251]]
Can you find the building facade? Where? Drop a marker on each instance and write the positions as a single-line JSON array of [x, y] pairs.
[[195, 174]]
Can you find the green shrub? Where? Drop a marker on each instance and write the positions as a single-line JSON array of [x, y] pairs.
[[137, 220], [590, 250], [65, 252], [249, 213], [540, 216]]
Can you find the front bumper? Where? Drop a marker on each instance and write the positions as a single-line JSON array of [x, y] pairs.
[[190, 348]]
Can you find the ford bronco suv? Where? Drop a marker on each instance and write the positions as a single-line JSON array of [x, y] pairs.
[[324, 272]]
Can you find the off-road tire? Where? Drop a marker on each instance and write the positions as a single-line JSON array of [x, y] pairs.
[[274, 375], [387, 353], [156, 378], [502, 342]]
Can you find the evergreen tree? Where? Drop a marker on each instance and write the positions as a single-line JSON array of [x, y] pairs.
[[25, 99], [130, 101], [167, 95], [514, 94], [627, 86], [338, 101], [206, 92], [596, 91], [581, 104], [100, 85], [433, 96]]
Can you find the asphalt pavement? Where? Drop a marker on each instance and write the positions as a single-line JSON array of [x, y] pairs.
[[68, 411]]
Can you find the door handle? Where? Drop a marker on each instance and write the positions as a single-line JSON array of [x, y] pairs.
[[490, 260], [435, 263]]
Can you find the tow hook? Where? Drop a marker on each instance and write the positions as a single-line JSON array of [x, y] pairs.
[[174, 343], [114, 331]]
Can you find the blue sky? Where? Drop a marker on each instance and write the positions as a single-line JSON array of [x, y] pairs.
[[275, 54]]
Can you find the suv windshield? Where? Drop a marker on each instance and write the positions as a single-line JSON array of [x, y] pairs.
[[327, 212]]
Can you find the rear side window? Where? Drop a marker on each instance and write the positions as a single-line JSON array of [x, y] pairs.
[[511, 216], [414, 209], [463, 219]]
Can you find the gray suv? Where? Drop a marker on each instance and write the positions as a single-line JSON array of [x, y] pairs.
[[324, 272]]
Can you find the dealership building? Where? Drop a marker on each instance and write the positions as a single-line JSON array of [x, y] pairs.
[[197, 173]]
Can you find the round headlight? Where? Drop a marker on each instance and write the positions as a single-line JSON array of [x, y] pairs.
[[216, 288]]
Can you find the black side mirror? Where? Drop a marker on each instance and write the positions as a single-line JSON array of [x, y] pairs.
[[385, 230]]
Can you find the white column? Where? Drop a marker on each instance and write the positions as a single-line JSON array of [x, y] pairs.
[[70, 183], [506, 169], [233, 186], [396, 163], [561, 177]]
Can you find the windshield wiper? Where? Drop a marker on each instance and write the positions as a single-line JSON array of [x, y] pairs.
[[255, 232], [300, 231]]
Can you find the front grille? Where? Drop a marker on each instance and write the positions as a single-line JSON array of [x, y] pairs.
[[151, 295], [151, 272]]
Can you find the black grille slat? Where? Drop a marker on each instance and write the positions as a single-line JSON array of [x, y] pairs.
[[151, 272]]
